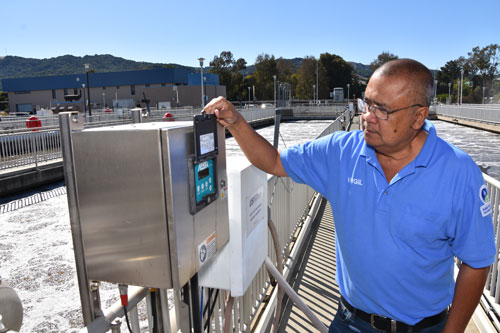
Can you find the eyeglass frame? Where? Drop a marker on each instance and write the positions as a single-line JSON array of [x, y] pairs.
[[362, 103]]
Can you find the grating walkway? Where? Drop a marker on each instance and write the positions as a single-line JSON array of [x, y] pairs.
[[314, 277]]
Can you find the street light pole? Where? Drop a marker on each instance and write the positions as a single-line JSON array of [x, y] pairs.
[[317, 80], [348, 86], [87, 70], [274, 78], [314, 93], [84, 99], [435, 88], [103, 100], [449, 92], [483, 94], [201, 82], [461, 85], [248, 97]]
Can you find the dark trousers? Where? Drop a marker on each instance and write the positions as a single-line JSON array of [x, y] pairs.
[[346, 321]]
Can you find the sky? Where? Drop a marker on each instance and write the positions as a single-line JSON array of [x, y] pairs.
[[430, 31]]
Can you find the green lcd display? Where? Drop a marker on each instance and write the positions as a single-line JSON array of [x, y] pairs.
[[204, 179]]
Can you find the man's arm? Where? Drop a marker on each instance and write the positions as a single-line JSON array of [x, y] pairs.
[[257, 149], [468, 290]]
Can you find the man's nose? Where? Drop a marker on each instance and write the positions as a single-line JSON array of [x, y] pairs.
[[369, 116]]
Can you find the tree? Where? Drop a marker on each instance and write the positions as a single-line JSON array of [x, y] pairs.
[[306, 78], [285, 69], [265, 68], [483, 64], [337, 73], [228, 70], [382, 58], [447, 74]]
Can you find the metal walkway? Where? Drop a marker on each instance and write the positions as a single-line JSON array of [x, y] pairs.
[[314, 277]]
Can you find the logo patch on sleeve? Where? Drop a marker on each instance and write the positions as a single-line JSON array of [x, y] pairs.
[[485, 199]]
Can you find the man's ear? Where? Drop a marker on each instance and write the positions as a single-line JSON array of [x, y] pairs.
[[420, 116]]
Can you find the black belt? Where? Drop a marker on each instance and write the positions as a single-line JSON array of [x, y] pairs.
[[390, 325]]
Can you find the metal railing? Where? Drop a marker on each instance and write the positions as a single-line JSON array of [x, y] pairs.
[[476, 112], [290, 205], [29, 148], [21, 147], [491, 297]]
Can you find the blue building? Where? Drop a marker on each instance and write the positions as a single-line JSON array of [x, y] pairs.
[[164, 87]]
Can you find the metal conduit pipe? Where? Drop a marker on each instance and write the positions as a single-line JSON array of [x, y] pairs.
[[290, 262], [279, 261], [103, 324], [227, 313], [294, 297]]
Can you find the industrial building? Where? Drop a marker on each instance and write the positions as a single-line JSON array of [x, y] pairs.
[[163, 88]]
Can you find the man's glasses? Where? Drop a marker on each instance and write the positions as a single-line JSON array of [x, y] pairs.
[[379, 111]]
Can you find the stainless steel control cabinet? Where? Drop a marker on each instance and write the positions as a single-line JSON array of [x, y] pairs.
[[134, 191]]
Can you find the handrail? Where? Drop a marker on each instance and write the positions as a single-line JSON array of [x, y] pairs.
[[476, 112], [491, 296], [21, 147]]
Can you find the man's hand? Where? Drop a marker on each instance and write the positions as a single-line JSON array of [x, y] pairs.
[[224, 111], [257, 149]]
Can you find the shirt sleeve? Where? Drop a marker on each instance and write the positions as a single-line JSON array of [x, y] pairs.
[[473, 239], [310, 163]]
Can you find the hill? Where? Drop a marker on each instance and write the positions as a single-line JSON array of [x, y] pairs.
[[362, 70], [17, 67]]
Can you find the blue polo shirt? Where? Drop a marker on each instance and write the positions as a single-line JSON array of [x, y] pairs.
[[396, 241]]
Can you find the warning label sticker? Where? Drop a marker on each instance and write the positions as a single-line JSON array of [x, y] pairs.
[[207, 249], [255, 209]]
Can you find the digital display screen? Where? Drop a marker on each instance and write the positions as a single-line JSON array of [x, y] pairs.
[[203, 173], [207, 143]]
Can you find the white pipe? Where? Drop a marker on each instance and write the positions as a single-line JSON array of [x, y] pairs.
[[290, 263], [279, 264], [294, 297], [102, 324]]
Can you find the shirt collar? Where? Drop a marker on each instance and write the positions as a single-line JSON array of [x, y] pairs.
[[422, 158]]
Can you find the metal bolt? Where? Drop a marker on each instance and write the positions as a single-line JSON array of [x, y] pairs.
[[115, 326], [94, 285]]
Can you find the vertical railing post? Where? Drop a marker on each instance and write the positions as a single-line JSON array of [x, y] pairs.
[[69, 121], [136, 116], [277, 120]]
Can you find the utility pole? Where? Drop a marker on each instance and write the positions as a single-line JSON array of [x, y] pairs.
[[87, 70], [317, 81], [461, 85], [201, 82], [274, 78]]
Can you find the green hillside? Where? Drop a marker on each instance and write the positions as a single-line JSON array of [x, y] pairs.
[[18, 67]]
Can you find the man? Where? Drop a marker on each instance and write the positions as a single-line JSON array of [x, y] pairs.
[[405, 203]]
